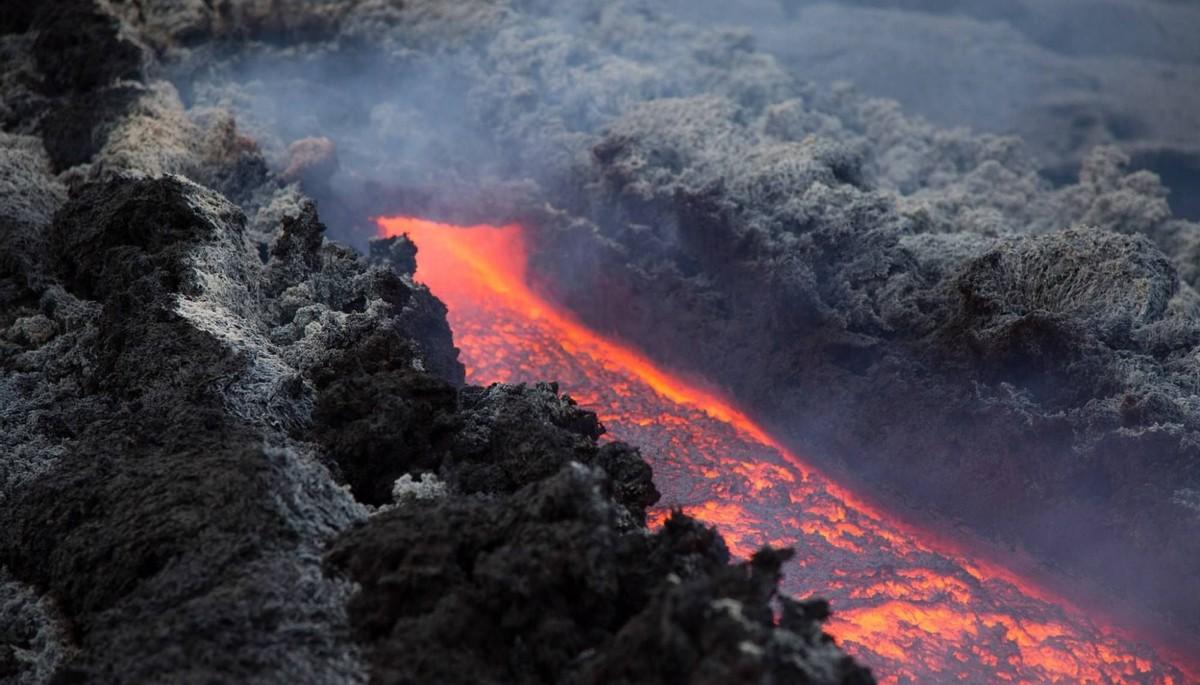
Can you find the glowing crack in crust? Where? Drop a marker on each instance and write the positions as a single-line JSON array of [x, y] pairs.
[[908, 604]]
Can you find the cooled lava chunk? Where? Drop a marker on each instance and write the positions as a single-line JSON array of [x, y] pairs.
[[544, 585]]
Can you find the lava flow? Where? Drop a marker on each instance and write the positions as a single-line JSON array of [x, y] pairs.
[[909, 605]]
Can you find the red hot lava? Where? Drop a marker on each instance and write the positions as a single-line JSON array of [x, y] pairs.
[[908, 604]]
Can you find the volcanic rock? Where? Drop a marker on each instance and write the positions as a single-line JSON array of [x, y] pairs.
[[548, 586]]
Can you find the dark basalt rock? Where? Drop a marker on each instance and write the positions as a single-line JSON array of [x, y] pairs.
[[119, 232], [77, 128], [380, 419], [398, 250], [545, 586], [416, 335], [146, 521], [632, 481], [18, 277], [728, 607], [79, 48], [75, 77], [379, 426], [18, 16], [514, 435]]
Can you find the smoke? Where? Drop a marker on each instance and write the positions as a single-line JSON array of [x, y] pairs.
[[903, 301]]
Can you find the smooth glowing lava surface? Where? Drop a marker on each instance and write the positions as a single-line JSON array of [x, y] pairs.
[[907, 604]]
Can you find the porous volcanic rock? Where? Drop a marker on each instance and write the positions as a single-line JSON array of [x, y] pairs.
[[548, 586], [134, 493]]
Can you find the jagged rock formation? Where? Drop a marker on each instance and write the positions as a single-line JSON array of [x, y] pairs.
[[590, 607], [141, 451], [200, 395]]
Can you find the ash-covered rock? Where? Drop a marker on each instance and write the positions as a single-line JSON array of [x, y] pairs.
[[83, 62], [32, 640], [1065, 75], [28, 190], [134, 493]]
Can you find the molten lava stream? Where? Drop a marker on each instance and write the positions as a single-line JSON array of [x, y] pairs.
[[907, 604]]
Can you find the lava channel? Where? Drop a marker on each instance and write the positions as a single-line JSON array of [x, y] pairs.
[[908, 604]]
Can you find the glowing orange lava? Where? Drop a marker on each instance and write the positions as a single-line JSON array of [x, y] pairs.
[[911, 606]]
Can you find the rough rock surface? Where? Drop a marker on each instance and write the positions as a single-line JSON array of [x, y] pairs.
[[200, 396], [597, 601], [134, 488]]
